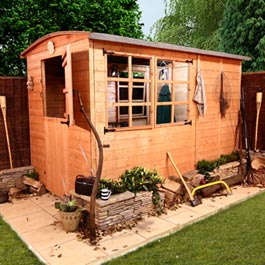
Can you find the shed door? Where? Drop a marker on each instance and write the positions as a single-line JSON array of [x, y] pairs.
[[56, 156], [58, 112]]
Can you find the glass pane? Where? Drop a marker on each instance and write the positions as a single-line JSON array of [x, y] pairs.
[[116, 65], [164, 93], [143, 117], [123, 91], [181, 71], [181, 92], [164, 70], [180, 113], [123, 116], [112, 116], [163, 114], [140, 67]]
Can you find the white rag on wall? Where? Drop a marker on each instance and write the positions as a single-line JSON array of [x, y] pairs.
[[199, 95]]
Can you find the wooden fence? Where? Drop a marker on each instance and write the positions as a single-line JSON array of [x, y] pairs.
[[252, 83], [17, 117]]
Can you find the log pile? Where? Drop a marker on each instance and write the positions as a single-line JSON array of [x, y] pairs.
[[13, 178], [15, 182], [173, 191], [34, 186]]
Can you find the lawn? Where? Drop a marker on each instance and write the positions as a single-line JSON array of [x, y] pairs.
[[234, 236], [12, 249]]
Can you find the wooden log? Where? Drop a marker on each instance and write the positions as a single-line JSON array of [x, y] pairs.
[[212, 189], [35, 186]]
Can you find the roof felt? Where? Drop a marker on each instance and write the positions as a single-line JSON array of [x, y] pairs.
[[137, 42]]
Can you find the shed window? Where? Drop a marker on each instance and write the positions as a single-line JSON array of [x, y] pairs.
[[172, 91], [128, 91], [142, 93], [54, 83]]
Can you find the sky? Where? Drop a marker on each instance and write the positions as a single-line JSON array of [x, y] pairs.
[[152, 10]]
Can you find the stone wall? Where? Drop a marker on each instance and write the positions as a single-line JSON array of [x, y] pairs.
[[119, 209], [13, 178]]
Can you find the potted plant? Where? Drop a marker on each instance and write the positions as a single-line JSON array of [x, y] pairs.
[[70, 214]]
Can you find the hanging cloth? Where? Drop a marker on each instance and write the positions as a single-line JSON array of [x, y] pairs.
[[200, 96]]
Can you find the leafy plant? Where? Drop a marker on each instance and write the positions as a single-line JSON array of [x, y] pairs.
[[116, 187], [34, 175], [205, 166], [66, 206], [135, 180], [140, 179]]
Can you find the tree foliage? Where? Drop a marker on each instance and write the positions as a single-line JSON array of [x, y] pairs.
[[24, 21], [243, 32], [191, 23]]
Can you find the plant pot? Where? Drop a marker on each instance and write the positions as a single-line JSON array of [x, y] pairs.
[[70, 220]]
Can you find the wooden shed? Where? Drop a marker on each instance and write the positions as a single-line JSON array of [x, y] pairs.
[[140, 97]]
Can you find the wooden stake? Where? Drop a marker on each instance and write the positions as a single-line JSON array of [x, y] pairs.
[[3, 108], [258, 106]]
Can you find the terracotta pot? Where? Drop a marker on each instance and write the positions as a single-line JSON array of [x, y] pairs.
[[70, 220]]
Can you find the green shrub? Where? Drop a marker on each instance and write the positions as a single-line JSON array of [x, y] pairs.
[[140, 179], [205, 166], [34, 175], [135, 180]]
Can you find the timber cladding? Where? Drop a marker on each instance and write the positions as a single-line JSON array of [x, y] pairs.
[[121, 82], [252, 83], [17, 117]]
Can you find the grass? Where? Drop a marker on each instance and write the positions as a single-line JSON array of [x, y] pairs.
[[234, 236], [12, 249]]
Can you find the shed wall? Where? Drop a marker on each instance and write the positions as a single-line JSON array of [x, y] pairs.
[[207, 138]]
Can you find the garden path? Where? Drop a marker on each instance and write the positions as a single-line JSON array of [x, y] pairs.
[[36, 221]]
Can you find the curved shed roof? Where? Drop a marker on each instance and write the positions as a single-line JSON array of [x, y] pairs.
[[132, 41]]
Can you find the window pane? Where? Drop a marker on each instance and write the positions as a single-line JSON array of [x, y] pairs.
[[140, 67], [181, 92], [128, 92], [164, 93], [180, 113], [164, 69], [144, 118], [123, 91], [163, 114], [181, 71], [117, 64]]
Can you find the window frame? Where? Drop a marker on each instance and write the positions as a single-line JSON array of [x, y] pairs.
[[153, 82], [172, 83]]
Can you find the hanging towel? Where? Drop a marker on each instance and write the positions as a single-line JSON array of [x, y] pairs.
[[200, 96]]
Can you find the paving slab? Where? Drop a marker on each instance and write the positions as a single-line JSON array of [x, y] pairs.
[[37, 223]]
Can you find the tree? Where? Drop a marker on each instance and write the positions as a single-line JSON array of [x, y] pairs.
[[24, 21], [191, 23], [243, 32]]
